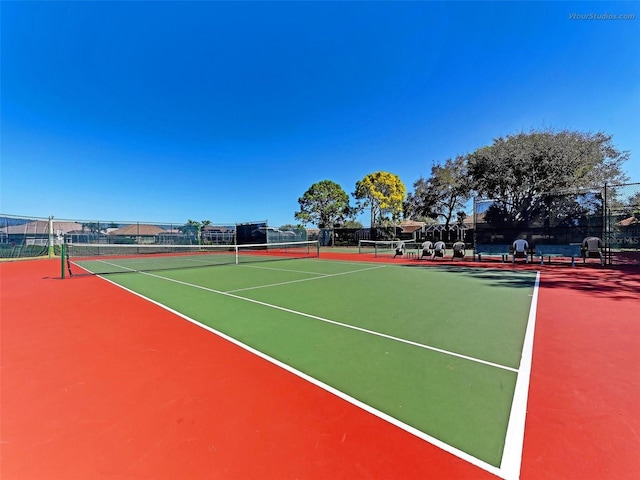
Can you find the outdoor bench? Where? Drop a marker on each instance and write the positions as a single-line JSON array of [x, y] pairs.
[[492, 250], [565, 251]]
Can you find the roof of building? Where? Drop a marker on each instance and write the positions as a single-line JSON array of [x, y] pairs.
[[410, 226], [138, 229], [628, 222]]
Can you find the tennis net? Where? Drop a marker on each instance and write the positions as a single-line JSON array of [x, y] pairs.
[[102, 259]]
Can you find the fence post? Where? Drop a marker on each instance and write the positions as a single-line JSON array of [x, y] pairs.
[[606, 228], [475, 229], [51, 252]]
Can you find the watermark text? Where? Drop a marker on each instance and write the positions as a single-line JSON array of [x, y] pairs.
[[601, 16]]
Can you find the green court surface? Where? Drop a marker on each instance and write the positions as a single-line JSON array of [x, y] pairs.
[[436, 350]]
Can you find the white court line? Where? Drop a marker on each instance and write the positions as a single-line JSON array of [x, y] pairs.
[[514, 440], [261, 267], [333, 322], [324, 275], [352, 400], [115, 265]]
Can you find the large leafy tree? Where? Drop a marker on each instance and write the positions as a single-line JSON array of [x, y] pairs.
[[381, 192], [442, 196], [324, 204], [521, 171]]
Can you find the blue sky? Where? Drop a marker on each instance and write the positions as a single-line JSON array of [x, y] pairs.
[[230, 111]]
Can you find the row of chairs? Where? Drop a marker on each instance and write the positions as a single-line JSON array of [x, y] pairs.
[[591, 247], [435, 250]]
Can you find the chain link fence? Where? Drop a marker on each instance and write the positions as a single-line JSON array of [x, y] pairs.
[[611, 213], [22, 236], [622, 223]]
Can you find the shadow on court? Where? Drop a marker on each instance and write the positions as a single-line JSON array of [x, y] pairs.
[[502, 277], [615, 283]]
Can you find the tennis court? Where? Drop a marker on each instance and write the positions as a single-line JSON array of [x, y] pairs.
[[437, 352], [442, 353]]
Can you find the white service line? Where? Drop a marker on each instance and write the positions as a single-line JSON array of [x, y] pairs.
[[324, 275], [116, 265], [261, 267]]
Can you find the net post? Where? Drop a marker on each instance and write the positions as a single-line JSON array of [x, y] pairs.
[[63, 254], [237, 254]]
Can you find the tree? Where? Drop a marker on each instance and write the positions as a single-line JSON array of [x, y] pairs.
[[93, 227], [290, 227], [191, 229], [420, 204], [381, 191], [629, 206], [324, 204], [443, 195], [352, 224], [520, 171]]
